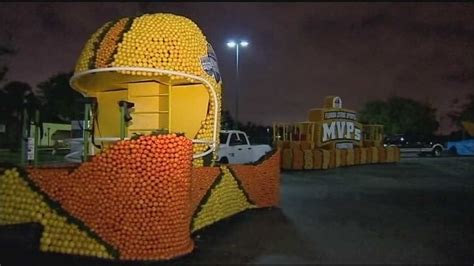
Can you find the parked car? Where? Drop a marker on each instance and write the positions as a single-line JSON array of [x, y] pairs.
[[235, 148], [59, 139], [461, 147], [413, 144]]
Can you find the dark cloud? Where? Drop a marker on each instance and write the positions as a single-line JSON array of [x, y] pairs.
[[49, 17], [461, 77], [298, 53], [406, 76], [375, 20], [457, 30]]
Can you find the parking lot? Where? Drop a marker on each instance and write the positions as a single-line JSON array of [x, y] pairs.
[[417, 211]]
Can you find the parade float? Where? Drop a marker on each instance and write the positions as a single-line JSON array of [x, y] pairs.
[[331, 137], [148, 179]]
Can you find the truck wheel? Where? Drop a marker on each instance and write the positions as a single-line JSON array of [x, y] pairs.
[[437, 152], [224, 160]]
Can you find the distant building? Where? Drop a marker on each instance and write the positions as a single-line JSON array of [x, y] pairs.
[[53, 132]]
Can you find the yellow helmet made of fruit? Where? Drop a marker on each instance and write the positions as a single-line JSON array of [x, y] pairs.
[[163, 47]]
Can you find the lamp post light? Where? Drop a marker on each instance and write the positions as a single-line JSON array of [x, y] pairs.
[[233, 44]]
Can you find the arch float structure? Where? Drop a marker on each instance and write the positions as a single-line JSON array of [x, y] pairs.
[[331, 137]]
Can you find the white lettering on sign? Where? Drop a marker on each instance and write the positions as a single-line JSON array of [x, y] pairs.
[[340, 125], [357, 134], [340, 114], [340, 130], [351, 116], [350, 130], [329, 132], [330, 115]]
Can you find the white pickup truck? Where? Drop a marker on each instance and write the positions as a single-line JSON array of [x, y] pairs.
[[235, 148]]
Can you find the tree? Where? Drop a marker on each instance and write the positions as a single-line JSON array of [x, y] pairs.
[[227, 121], [6, 48], [401, 116], [9, 113], [257, 133], [8, 94], [60, 100], [375, 112], [466, 112], [14, 95], [12, 98]]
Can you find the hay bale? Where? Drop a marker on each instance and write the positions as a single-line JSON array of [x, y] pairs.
[[332, 159], [369, 155], [317, 159], [287, 159], [282, 144], [295, 145], [374, 155], [363, 155], [350, 157], [308, 159], [335, 158], [337, 154], [326, 159], [357, 156], [382, 154], [279, 144], [306, 145], [389, 151], [396, 154], [343, 157], [298, 159]]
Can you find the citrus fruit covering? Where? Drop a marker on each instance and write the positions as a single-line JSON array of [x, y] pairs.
[[138, 200], [163, 47]]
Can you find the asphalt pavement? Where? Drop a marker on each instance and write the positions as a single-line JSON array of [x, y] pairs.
[[420, 210]]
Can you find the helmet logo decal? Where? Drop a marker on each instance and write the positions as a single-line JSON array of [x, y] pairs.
[[209, 63]]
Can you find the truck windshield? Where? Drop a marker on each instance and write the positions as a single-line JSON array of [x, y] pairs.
[[223, 138]]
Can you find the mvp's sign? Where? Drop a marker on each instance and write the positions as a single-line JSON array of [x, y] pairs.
[[340, 130], [335, 127]]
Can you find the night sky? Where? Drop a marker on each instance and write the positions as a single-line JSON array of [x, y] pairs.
[[298, 52]]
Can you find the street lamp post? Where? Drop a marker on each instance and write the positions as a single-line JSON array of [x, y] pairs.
[[236, 45]]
